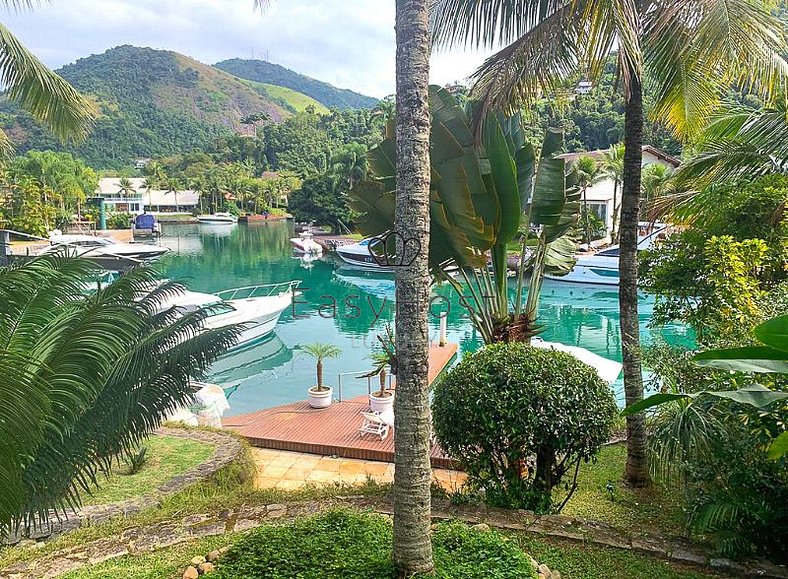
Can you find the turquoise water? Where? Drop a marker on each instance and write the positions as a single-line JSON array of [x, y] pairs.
[[348, 308]]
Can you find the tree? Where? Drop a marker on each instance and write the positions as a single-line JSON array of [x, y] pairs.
[[654, 185], [38, 90], [86, 378], [692, 50], [125, 187], [613, 166], [589, 173]]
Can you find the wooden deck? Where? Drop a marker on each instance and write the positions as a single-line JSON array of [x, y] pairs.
[[332, 431]]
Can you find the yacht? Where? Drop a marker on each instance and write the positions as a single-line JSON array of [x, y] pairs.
[[359, 255], [257, 308], [306, 244], [107, 252], [222, 218], [601, 268]]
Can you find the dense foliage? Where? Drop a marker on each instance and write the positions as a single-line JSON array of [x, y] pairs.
[[349, 545], [726, 272], [519, 419], [269, 73], [86, 377]]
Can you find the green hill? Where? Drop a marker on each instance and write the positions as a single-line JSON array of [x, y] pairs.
[[295, 99], [152, 103], [269, 73]]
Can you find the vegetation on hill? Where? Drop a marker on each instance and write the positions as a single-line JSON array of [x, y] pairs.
[[150, 103], [299, 101], [269, 73]]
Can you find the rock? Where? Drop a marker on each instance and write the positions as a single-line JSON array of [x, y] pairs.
[[556, 574], [223, 550], [191, 573], [277, 513], [276, 508], [484, 527], [213, 556], [534, 563], [434, 527], [197, 560], [544, 570], [206, 567], [541, 576]]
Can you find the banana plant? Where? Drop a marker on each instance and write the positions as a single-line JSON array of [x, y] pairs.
[[480, 189]]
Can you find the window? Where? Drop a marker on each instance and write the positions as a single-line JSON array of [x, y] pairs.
[[600, 209]]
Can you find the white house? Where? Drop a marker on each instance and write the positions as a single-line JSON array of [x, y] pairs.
[[600, 195], [141, 199]]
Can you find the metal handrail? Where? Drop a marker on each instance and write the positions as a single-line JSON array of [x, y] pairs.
[[358, 375], [251, 291]]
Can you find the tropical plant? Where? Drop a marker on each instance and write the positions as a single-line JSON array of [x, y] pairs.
[[29, 83], [613, 166], [86, 378], [688, 51], [321, 352], [385, 357], [654, 185], [478, 195], [136, 460], [518, 419], [589, 173], [125, 187]]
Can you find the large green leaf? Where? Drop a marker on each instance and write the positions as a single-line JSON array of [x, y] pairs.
[[747, 359], [549, 190], [774, 333], [755, 395], [652, 401], [779, 447]]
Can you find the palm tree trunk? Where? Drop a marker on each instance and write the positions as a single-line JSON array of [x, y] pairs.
[[613, 233], [412, 549], [636, 472]]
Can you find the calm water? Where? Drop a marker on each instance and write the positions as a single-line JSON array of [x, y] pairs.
[[348, 308]]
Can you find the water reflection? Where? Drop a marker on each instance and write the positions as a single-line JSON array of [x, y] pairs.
[[347, 307]]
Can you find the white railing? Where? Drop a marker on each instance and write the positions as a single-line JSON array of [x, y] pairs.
[[258, 291], [358, 375]]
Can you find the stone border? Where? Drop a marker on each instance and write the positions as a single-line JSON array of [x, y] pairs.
[[228, 449], [141, 540]]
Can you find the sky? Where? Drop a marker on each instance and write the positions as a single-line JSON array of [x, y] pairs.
[[348, 43]]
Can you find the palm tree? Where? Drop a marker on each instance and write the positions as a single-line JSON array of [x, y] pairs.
[[86, 378], [29, 83], [589, 173], [693, 50], [654, 184], [321, 352], [613, 166], [125, 187]]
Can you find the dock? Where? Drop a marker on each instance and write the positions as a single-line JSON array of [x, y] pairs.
[[331, 431]]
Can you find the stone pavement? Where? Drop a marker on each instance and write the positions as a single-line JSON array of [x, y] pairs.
[[286, 471]]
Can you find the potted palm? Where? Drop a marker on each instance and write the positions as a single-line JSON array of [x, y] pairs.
[[320, 394], [383, 399]]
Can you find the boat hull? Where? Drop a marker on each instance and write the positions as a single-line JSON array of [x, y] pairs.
[[361, 261], [592, 275]]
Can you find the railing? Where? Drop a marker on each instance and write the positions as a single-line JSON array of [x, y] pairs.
[[258, 291], [5, 246], [358, 375]]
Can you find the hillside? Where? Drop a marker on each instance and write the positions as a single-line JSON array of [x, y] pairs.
[[151, 103], [295, 99], [269, 73]]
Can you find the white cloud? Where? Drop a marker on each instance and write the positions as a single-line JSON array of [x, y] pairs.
[[349, 43]]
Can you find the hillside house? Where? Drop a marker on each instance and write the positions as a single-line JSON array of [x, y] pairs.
[[140, 199]]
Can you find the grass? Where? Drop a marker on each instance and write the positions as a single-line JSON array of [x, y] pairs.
[[167, 457], [627, 508], [297, 100]]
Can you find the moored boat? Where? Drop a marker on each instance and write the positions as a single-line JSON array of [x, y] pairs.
[[221, 218], [106, 252], [306, 244], [359, 255]]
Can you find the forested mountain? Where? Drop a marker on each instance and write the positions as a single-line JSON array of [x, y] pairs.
[[152, 103], [267, 72]]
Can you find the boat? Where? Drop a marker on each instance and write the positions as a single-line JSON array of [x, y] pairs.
[[106, 252], [359, 255], [601, 268], [221, 218], [145, 225], [306, 244], [257, 308]]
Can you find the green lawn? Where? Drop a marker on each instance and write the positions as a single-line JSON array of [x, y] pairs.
[[627, 508], [299, 101], [167, 457]]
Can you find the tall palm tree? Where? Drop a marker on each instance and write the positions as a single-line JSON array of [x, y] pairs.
[[85, 378], [613, 166], [29, 83], [125, 187], [412, 473], [654, 185], [589, 173], [692, 50]]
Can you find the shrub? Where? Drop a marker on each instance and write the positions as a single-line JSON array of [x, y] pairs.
[[119, 221], [519, 418], [344, 544]]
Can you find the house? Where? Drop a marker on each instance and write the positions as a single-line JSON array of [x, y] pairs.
[[138, 198], [584, 87], [600, 195]]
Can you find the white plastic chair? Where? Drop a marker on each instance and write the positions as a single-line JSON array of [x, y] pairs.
[[374, 423]]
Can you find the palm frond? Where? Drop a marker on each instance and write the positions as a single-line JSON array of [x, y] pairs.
[[43, 93]]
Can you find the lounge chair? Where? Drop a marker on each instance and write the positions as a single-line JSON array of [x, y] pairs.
[[374, 423]]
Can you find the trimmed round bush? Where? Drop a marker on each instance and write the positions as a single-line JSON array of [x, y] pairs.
[[518, 419], [344, 544]]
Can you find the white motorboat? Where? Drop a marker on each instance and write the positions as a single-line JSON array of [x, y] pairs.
[[602, 267], [221, 218], [107, 252], [257, 308], [359, 255], [306, 244]]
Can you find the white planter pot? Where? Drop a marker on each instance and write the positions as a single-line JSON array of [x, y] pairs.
[[381, 404], [320, 399]]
